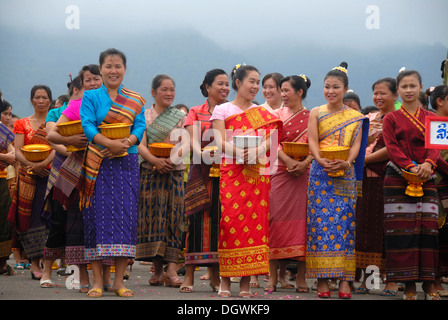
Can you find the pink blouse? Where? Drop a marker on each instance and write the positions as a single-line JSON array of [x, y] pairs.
[[72, 111]]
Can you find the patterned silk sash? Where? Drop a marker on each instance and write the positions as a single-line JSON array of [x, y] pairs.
[[6, 138], [161, 127], [349, 123], [297, 123], [346, 120], [255, 121], [124, 109], [414, 119], [69, 178], [22, 202]]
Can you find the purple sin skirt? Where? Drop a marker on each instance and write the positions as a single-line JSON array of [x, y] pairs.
[[110, 223]]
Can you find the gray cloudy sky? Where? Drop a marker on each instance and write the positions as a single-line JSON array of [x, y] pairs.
[[233, 23]]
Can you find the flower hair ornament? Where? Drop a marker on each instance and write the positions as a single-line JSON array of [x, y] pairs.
[[303, 77], [239, 66], [341, 69]]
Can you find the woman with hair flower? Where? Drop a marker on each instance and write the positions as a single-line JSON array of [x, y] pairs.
[[244, 187], [332, 196]]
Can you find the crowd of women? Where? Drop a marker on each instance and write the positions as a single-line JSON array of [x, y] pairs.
[[98, 202]]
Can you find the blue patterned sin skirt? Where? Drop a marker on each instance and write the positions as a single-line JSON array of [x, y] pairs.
[[331, 225], [110, 223]]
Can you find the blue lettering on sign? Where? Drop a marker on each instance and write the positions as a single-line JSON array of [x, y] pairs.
[[442, 131]]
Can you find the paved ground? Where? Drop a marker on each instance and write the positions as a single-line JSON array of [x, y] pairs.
[[203, 303], [21, 287]]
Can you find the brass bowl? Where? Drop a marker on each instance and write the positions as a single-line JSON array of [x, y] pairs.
[[415, 184], [116, 130], [71, 128], [36, 152], [160, 149], [296, 150], [335, 153], [412, 177]]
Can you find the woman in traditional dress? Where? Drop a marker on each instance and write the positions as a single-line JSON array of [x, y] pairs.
[[287, 218], [161, 206], [271, 91], [202, 205], [439, 103], [110, 205], [244, 186], [54, 213], [331, 200], [7, 157], [66, 186], [370, 207], [410, 221], [28, 201], [11, 178]]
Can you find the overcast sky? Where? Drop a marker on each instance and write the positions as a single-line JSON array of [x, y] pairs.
[[233, 23]]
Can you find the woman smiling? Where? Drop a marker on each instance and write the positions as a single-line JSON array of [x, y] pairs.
[[108, 203], [243, 240], [161, 205], [331, 209]]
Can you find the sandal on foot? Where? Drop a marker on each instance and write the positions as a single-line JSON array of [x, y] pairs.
[[186, 289], [46, 283], [84, 289], [361, 291], [302, 289], [19, 266], [442, 293], [174, 282], [388, 293], [124, 292], [245, 294], [286, 285], [155, 280], [95, 293], [432, 296], [35, 275], [108, 288], [409, 296], [270, 288], [224, 293]]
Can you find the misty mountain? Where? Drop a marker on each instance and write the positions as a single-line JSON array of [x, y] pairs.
[[29, 58]]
